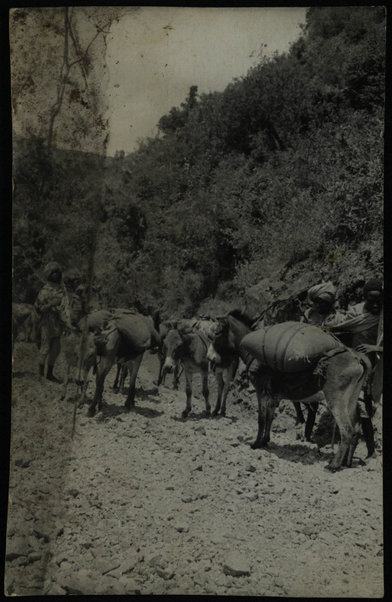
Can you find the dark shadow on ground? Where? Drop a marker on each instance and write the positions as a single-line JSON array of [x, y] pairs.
[[112, 410], [170, 387], [231, 418], [302, 454], [192, 417], [22, 373], [295, 452], [146, 412], [150, 394]]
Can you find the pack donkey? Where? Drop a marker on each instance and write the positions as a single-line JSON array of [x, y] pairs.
[[188, 343], [337, 380]]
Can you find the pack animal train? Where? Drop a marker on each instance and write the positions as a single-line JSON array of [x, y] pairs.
[[323, 369]]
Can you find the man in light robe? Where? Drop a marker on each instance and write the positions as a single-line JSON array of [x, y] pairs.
[[52, 307]]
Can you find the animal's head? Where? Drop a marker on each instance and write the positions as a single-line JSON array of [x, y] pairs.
[[172, 345], [218, 337], [207, 326], [213, 356], [164, 328], [219, 329]]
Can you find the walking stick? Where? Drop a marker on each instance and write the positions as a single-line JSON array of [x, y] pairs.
[[83, 338]]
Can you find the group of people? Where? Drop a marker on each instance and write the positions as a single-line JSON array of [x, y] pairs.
[[58, 307], [61, 305], [361, 328]]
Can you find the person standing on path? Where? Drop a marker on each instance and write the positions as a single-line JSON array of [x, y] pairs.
[[52, 306]]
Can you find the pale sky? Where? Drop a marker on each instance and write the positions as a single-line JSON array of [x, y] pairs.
[[155, 54]]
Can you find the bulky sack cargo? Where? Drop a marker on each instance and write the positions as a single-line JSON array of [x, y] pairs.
[[96, 319], [120, 311], [289, 346], [135, 330], [120, 314]]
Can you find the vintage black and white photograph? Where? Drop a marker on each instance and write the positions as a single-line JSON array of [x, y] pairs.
[[197, 301]]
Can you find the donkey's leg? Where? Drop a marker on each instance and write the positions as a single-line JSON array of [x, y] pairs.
[[272, 404], [103, 367], [310, 419], [178, 370], [124, 372], [116, 380], [229, 378], [262, 401], [206, 392], [219, 380], [300, 419], [353, 414], [347, 460], [188, 390], [133, 371], [161, 375]]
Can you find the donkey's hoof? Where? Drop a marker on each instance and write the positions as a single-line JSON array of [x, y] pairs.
[[259, 445], [332, 468], [185, 414], [91, 412]]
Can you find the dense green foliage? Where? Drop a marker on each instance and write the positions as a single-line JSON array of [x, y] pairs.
[[282, 167]]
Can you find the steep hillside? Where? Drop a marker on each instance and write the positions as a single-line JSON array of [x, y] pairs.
[[279, 175]]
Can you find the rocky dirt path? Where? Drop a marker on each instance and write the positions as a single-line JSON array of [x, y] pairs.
[[144, 502]]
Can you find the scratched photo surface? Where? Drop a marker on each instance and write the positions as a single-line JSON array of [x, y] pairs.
[[197, 301]]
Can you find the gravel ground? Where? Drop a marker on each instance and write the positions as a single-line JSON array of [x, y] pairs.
[[145, 502]]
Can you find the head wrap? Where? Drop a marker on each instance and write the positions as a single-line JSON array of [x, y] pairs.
[[372, 285], [322, 292], [52, 267]]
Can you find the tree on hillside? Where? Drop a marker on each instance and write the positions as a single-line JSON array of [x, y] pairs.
[[177, 117], [285, 163], [57, 65]]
